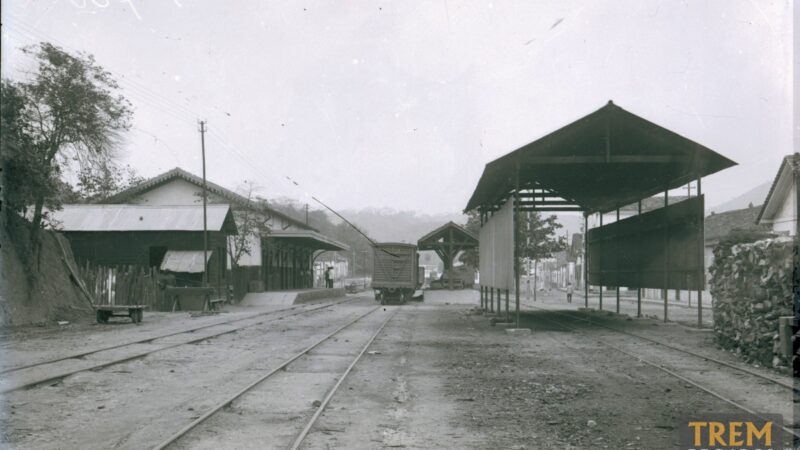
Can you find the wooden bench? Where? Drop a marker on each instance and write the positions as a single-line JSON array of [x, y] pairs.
[[105, 312]]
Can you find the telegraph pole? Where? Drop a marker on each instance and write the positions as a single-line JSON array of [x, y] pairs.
[[205, 202]]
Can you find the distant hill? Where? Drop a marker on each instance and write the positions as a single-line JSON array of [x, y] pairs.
[[390, 225], [755, 196]]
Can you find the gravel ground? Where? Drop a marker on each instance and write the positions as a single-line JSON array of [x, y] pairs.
[[438, 376]]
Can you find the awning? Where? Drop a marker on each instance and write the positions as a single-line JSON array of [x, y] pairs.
[[184, 261], [309, 239]]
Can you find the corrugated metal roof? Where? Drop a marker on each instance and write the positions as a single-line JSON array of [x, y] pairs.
[[184, 261], [178, 173], [141, 218]]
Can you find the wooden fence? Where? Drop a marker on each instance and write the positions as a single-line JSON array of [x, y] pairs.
[[125, 285]]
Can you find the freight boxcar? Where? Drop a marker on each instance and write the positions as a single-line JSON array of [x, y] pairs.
[[395, 272]]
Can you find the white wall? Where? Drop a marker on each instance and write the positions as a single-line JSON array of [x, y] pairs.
[[786, 215]]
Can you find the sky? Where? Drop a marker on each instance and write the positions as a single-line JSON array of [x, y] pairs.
[[400, 104]]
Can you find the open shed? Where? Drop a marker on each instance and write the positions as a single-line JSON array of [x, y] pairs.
[[448, 241], [598, 164]]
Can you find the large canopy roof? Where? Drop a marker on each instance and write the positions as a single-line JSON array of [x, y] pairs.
[[606, 160]]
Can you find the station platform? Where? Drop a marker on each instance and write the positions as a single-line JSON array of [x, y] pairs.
[[291, 297]]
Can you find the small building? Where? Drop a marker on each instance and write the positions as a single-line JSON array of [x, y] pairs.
[[280, 259], [167, 237], [779, 211]]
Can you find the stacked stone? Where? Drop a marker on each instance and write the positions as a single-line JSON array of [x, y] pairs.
[[751, 284]]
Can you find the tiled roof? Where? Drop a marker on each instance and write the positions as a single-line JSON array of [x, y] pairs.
[[721, 224]]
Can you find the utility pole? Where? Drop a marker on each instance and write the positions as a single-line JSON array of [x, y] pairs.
[[205, 202]]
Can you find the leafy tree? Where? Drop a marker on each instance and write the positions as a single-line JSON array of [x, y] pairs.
[[69, 113], [539, 239], [470, 257]]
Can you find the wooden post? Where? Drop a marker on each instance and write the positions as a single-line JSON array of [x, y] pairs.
[[491, 299]]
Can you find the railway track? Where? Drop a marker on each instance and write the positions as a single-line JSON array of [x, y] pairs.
[[778, 382], [787, 427], [49, 376], [309, 424]]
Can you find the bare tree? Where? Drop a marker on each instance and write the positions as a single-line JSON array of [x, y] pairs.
[[252, 220]]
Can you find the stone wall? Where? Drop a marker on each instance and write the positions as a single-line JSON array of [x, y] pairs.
[[752, 286]]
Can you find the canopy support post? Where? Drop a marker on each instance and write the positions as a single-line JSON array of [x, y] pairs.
[[666, 257], [639, 272], [586, 260], [516, 245], [702, 261], [617, 252], [601, 270]]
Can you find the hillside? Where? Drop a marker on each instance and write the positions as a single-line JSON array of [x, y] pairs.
[[755, 196], [386, 224]]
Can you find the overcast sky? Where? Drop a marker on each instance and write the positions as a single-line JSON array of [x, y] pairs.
[[401, 104]]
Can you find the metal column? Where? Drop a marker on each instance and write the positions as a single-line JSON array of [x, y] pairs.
[[516, 244], [585, 260], [617, 245], [702, 261], [639, 271], [601, 271], [666, 256]]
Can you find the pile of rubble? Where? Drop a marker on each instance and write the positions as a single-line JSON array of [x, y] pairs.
[[751, 284]]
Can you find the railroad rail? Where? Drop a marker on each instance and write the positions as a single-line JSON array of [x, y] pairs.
[[48, 379], [789, 428], [282, 366], [778, 382]]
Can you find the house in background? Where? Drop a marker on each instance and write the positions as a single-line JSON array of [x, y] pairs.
[[167, 237], [720, 225], [779, 212], [281, 260]]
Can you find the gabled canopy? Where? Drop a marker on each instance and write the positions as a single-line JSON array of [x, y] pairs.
[[603, 161], [442, 235], [447, 241]]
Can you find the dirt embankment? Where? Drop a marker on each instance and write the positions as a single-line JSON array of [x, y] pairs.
[[37, 291]]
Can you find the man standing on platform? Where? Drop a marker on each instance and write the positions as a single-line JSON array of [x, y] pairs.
[[329, 277], [569, 292]]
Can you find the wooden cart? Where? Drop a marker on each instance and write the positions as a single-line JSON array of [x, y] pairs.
[[105, 312]]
